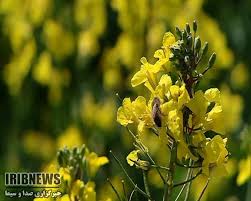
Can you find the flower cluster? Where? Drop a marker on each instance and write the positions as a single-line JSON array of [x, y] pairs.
[[77, 167], [187, 120]]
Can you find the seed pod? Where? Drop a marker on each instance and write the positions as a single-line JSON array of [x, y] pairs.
[[156, 113]]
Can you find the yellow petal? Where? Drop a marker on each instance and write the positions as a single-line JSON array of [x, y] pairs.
[[212, 95], [138, 78], [125, 113], [132, 156], [244, 171], [184, 97], [168, 39]]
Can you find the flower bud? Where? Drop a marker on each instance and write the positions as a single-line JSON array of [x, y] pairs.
[[194, 26], [178, 32], [187, 61], [144, 165], [197, 43], [60, 158], [204, 49], [189, 41], [184, 35], [187, 28], [212, 60]]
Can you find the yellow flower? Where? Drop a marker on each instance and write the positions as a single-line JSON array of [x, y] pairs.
[[213, 95], [70, 137], [65, 198], [175, 123], [33, 139], [163, 87], [19, 67], [244, 170], [55, 32], [201, 118], [183, 151], [125, 114], [215, 120], [65, 174], [95, 162], [89, 193], [215, 156], [132, 156], [198, 105], [76, 188], [180, 95], [37, 15], [168, 40], [42, 71], [146, 74], [135, 112]]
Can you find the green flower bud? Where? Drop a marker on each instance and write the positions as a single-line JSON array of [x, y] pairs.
[[178, 32], [189, 41], [175, 50], [187, 28], [184, 36], [197, 43], [194, 26], [187, 60], [74, 151], [211, 60], [144, 165], [60, 158], [204, 49], [82, 150]]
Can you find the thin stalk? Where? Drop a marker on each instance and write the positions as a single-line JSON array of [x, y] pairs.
[[114, 189], [142, 147], [204, 189], [129, 178], [134, 190], [183, 187], [160, 167], [146, 183], [189, 180], [189, 184], [124, 190], [188, 166], [165, 188], [157, 168], [169, 183]]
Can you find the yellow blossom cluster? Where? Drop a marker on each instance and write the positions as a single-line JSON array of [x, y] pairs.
[[72, 186], [177, 114]]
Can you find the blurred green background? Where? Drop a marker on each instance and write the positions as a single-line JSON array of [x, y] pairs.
[[62, 63]]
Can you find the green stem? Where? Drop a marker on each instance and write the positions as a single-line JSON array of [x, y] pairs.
[[142, 148], [169, 184], [114, 189], [183, 187], [189, 185], [129, 178], [124, 189], [146, 183], [189, 180]]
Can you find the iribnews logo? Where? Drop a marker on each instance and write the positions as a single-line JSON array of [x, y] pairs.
[[34, 179]]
